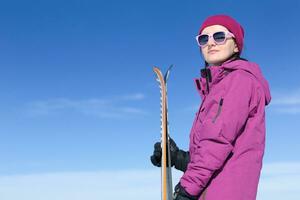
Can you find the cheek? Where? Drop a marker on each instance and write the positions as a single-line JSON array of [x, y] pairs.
[[230, 48], [204, 51], [226, 51]]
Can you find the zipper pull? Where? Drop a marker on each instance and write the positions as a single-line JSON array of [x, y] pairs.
[[219, 110]]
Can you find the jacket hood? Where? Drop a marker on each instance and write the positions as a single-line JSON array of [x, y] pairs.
[[252, 68]]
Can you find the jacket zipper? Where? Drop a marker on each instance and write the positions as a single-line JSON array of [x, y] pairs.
[[203, 195], [200, 108], [219, 110]]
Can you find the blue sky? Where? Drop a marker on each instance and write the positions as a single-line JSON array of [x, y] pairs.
[[78, 94]]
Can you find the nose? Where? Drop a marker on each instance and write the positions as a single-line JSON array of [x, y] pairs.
[[211, 41]]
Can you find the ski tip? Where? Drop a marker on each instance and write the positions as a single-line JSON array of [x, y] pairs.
[[155, 68], [166, 76]]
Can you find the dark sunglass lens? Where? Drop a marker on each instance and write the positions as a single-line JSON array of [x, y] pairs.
[[219, 36], [203, 39]]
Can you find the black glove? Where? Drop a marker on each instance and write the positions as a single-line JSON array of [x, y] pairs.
[[181, 194], [179, 158]]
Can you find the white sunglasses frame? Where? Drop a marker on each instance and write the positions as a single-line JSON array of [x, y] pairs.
[[227, 36]]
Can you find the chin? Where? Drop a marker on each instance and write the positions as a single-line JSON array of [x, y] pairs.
[[215, 59]]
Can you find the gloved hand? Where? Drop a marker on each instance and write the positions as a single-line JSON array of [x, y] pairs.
[[181, 194], [179, 158]]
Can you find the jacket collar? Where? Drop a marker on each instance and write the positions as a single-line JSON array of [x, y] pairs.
[[210, 76]]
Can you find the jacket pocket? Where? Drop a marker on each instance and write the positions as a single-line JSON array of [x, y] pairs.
[[219, 110]]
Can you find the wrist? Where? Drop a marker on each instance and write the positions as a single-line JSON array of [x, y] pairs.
[[181, 194]]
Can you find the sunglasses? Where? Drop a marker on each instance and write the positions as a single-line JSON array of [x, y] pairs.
[[219, 38]]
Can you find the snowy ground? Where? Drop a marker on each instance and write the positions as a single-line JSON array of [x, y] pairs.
[[278, 181]]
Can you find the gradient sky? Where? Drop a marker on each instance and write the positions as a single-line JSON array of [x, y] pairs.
[[78, 94]]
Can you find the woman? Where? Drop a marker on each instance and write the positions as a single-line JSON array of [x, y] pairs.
[[227, 139]]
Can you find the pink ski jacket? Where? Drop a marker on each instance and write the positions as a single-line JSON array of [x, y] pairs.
[[227, 139]]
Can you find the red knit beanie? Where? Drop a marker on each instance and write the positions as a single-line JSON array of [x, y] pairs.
[[231, 24]]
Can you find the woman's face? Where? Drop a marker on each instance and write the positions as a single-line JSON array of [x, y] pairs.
[[216, 54]]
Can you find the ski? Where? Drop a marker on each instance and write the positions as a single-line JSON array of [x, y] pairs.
[[166, 172]]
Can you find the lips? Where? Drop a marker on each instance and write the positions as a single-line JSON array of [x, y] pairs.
[[212, 51]]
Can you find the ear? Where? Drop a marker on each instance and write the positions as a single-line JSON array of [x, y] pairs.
[[236, 49]]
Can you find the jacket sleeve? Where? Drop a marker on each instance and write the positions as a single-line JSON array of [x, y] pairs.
[[214, 135]]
